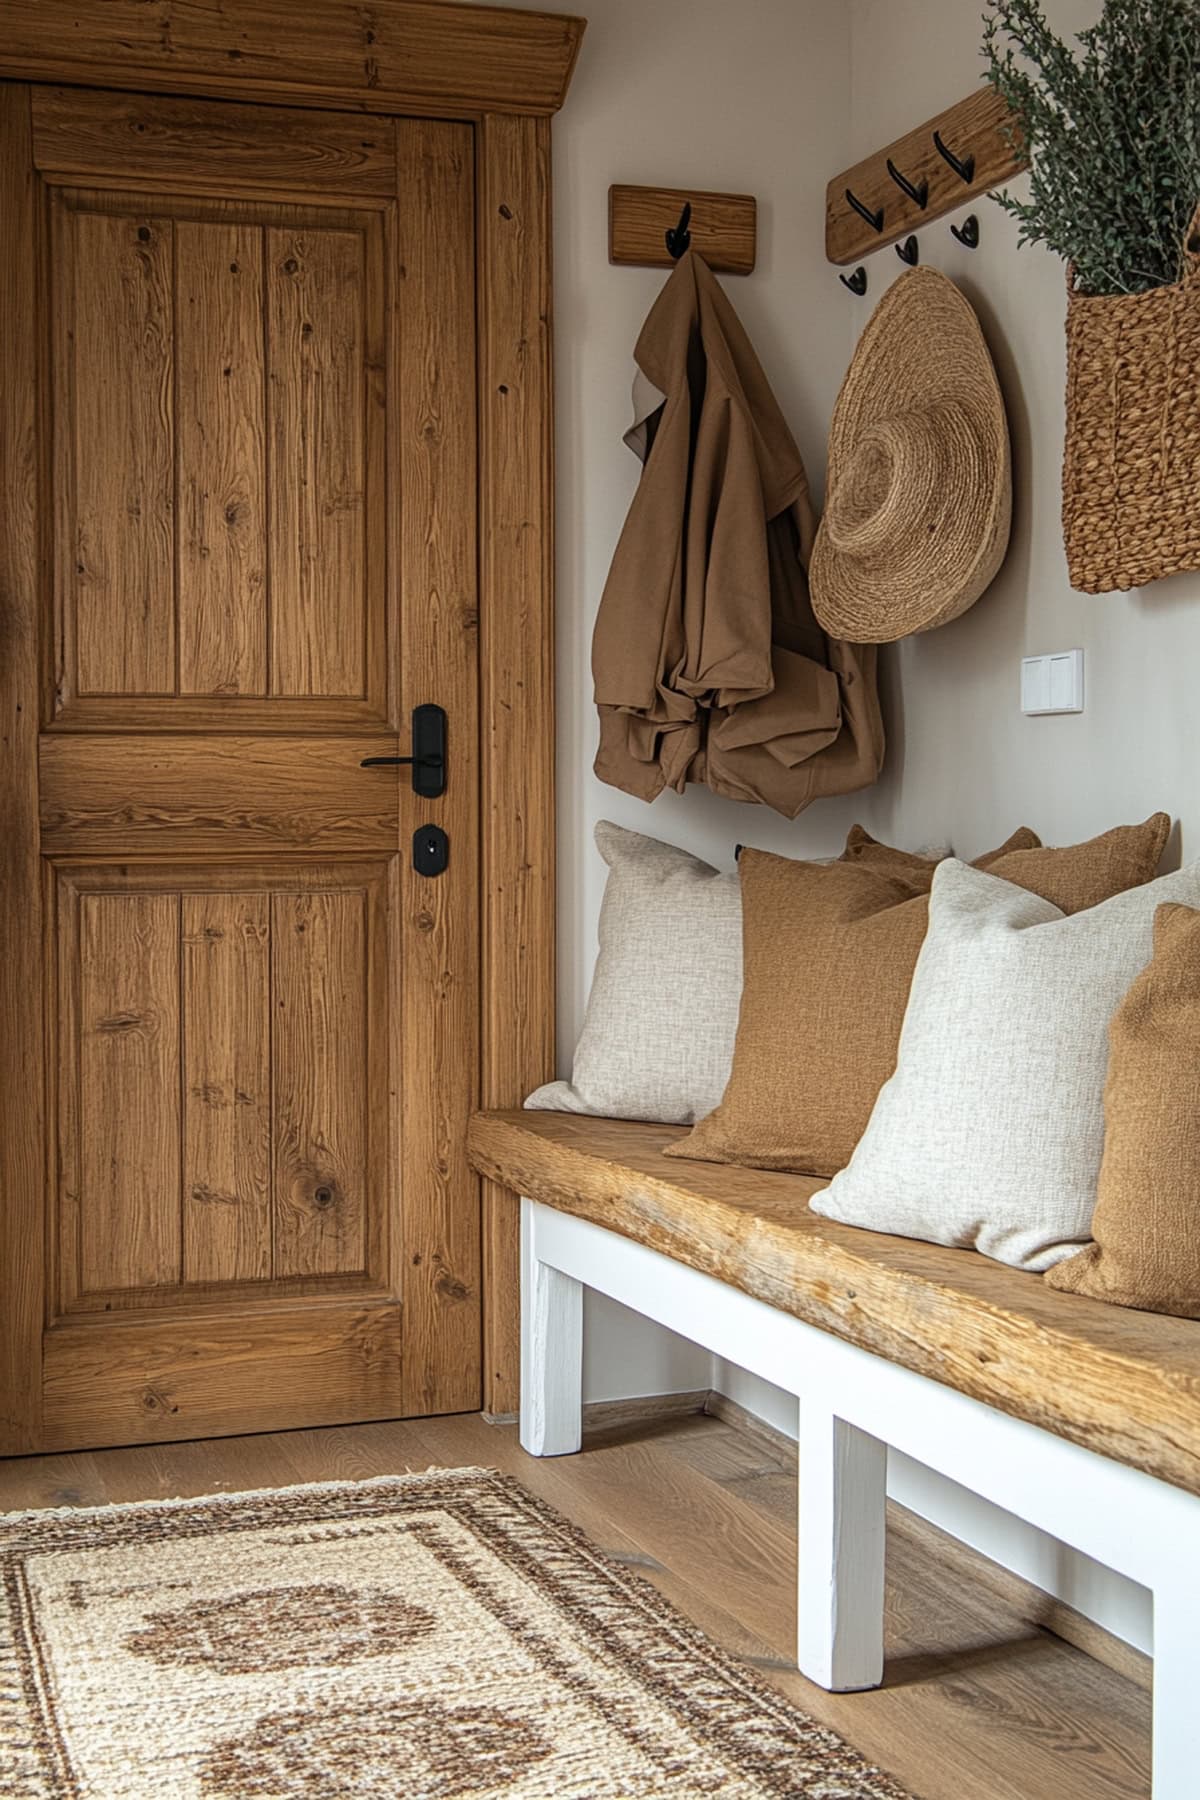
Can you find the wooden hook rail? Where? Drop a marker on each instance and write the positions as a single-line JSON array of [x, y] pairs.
[[878, 201], [722, 227]]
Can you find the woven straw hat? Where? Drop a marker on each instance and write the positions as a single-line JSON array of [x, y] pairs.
[[920, 476]]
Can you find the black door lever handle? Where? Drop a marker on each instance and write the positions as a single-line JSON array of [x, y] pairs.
[[428, 759], [391, 762]]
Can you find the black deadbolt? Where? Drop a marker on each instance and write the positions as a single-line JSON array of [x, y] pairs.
[[431, 850]]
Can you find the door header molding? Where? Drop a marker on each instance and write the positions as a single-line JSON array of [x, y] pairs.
[[420, 57]]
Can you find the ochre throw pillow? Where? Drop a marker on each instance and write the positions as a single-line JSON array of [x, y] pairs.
[[861, 847], [829, 953], [1147, 1218]]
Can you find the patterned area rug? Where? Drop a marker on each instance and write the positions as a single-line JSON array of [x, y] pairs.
[[412, 1639]]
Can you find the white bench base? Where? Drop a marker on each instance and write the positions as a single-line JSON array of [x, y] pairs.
[[853, 1406]]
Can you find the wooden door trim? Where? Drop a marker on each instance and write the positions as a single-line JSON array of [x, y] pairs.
[[516, 568], [23, 1175], [516, 415], [419, 57], [438, 559]]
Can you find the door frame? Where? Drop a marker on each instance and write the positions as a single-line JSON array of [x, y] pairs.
[[506, 72]]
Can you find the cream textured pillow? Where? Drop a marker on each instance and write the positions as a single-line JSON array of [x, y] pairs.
[[658, 1034], [989, 1134]]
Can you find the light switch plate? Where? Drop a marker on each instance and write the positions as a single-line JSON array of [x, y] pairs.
[[1053, 683]]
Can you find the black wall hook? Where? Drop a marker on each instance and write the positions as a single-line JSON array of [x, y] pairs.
[[909, 252], [857, 283], [679, 238], [873, 219], [968, 233], [963, 166], [918, 191]]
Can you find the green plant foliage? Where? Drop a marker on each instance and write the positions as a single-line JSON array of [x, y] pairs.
[[1113, 134]]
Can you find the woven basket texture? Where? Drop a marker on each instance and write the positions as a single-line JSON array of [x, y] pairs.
[[1131, 467]]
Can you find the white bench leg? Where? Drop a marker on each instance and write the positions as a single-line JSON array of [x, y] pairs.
[[551, 1351], [1176, 1742], [843, 1520]]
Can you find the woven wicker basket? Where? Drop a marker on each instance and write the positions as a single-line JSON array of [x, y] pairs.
[[1131, 470]]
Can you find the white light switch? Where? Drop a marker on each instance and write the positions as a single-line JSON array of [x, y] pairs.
[[1052, 684]]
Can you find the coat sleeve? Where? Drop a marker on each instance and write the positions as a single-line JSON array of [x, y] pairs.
[[727, 581]]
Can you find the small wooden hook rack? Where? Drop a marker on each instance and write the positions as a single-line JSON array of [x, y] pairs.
[[722, 227], [964, 151]]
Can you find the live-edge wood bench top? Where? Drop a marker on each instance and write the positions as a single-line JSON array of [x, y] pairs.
[[1125, 1384]]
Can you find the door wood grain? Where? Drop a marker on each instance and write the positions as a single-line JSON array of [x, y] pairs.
[[225, 1083], [323, 327], [23, 1149], [320, 994], [113, 794], [158, 141], [436, 435], [313, 1363], [116, 360], [128, 1146], [221, 473], [238, 430], [516, 389], [402, 56]]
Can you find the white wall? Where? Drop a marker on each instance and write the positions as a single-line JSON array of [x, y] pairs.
[[751, 99], [772, 98]]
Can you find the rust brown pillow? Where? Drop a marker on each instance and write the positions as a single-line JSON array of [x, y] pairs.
[[861, 847], [1147, 1219], [829, 952]]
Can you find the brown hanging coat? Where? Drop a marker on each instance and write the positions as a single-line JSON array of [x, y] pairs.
[[708, 663]]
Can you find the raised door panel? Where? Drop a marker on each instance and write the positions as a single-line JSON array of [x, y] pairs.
[[219, 377], [223, 1082]]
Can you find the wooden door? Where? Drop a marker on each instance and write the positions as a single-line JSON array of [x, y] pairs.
[[238, 433]]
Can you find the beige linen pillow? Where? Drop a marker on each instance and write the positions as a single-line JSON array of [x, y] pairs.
[[658, 1033], [989, 1135], [1147, 1219], [829, 956]]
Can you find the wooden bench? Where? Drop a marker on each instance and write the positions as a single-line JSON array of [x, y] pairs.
[[1081, 1418]]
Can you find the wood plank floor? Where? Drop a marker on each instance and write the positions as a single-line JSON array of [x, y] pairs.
[[979, 1701]]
